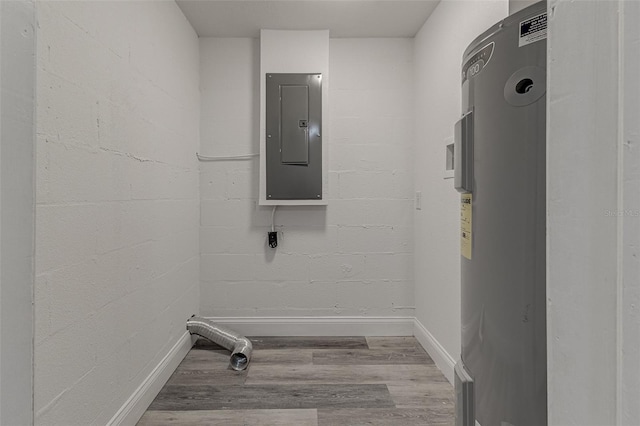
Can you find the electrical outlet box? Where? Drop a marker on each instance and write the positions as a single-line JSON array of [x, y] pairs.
[[273, 239]]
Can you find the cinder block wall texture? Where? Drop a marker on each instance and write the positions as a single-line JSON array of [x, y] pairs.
[[117, 240], [353, 257]]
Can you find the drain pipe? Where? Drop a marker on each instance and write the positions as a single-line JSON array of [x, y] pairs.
[[239, 346]]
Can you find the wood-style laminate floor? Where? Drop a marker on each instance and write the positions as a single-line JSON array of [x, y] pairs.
[[307, 381]]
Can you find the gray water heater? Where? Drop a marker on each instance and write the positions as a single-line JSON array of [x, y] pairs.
[[501, 378]]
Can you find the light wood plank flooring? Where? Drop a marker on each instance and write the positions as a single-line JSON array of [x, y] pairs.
[[307, 381]]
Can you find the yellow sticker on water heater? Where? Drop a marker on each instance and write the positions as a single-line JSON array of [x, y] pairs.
[[465, 225]]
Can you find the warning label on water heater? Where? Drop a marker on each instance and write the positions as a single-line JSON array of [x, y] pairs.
[[465, 225], [533, 29]]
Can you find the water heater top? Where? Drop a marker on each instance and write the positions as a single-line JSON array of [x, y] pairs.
[[518, 18]]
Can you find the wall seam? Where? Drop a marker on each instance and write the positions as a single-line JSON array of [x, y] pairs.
[[620, 220]]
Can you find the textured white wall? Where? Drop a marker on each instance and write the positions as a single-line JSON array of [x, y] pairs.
[[438, 56], [353, 257], [17, 133], [117, 201], [593, 284], [629, 309]]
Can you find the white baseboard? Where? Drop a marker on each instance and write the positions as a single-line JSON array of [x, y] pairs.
[[139, 401], [436, 351], [318, 326]]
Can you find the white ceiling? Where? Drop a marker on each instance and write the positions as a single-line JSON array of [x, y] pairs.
[[343, 18]]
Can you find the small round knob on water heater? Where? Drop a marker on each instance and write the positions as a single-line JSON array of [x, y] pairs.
[[525, 86]]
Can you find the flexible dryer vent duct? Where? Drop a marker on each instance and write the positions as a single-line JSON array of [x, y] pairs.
[[239, 346]]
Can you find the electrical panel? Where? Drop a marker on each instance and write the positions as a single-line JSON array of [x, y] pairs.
[[294, 139]]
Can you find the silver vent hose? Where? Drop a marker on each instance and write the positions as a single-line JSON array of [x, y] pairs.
[[239, 346]]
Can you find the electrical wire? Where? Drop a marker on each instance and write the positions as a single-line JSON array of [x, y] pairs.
[[273, 223], [226, 157]]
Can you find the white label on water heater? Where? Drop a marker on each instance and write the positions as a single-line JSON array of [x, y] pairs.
[[466, 225], [533, 29]]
